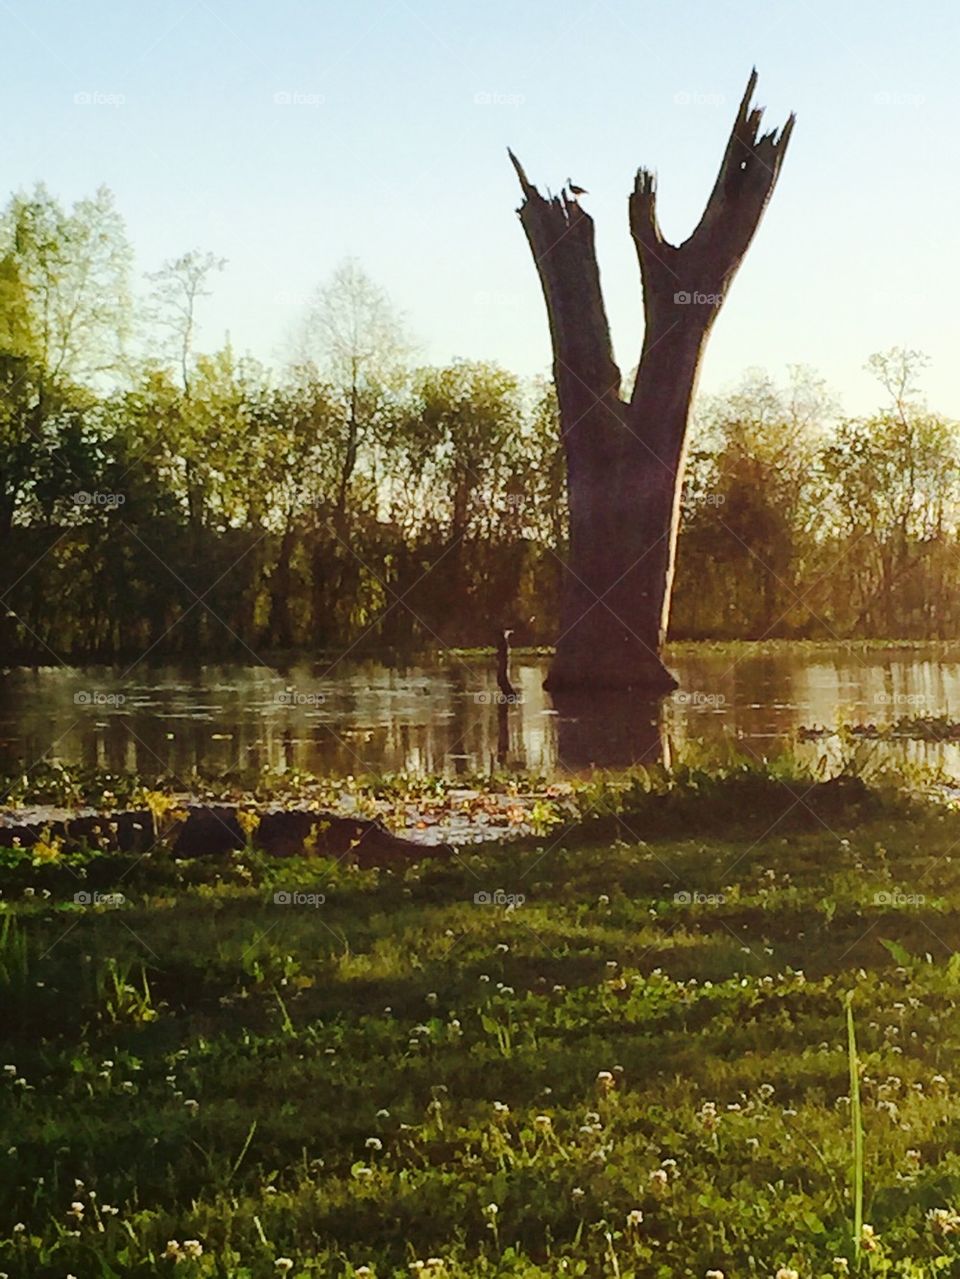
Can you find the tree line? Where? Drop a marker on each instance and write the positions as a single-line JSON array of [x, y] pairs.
[[160, 499]]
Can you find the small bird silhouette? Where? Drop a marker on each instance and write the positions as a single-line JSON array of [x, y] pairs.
[[575, 190]]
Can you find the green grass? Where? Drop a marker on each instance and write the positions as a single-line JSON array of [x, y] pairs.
[[806, 647], [647, 1068], [747, 647]]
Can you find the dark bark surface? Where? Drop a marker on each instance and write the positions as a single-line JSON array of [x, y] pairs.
[[625, 457]]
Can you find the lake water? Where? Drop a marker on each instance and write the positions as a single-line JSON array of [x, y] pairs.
[[360, 717]]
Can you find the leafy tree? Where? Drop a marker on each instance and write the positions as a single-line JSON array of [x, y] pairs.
[[890, 485], [73, 268], [355, 339], [177, 289], [747, 515]]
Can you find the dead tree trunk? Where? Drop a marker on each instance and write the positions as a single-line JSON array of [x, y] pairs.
[[625, 458]]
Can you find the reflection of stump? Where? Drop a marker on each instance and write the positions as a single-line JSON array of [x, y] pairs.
[[608, 730]]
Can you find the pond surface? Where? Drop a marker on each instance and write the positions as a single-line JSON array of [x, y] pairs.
[[353, 717]]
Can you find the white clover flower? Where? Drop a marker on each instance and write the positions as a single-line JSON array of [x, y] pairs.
[[786, 1273], [634, 1218], [192, 1248], [283, 1265], [373, 1143], [945, 1221]]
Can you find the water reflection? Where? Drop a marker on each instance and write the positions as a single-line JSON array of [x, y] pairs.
[[363, 716], [609, 730]]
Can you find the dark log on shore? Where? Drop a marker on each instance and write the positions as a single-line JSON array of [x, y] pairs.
[[212, 830]]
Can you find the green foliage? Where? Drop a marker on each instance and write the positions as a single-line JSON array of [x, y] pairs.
[[189, 501], [14, 958], [797, 523]]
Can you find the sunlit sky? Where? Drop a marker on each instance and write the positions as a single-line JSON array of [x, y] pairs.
[[287, 134]]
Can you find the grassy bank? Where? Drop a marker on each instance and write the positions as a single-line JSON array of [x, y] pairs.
[[641, 1069], [747, 647], [810, 647]]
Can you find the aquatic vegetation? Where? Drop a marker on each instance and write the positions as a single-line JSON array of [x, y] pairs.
[[920, 728]]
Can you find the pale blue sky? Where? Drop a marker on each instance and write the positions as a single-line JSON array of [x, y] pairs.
[[392, 148]]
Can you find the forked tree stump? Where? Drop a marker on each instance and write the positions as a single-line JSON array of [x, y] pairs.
[[625, 458]]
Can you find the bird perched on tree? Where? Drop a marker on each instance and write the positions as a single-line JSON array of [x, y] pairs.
[[575, 190]]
